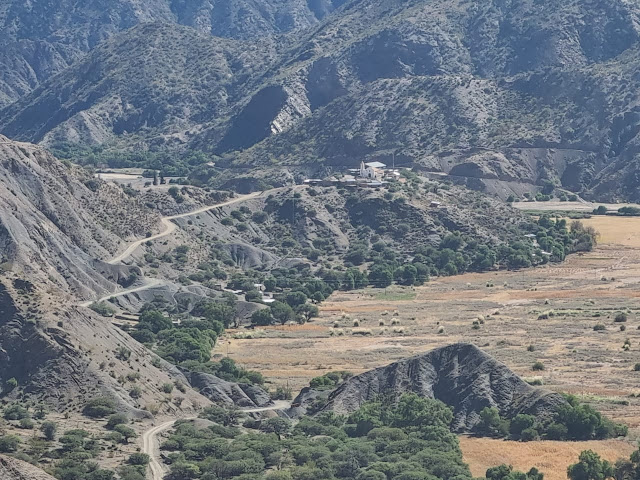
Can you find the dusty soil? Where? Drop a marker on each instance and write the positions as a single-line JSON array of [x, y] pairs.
[[552, 458], [583, 206], [554, 308]]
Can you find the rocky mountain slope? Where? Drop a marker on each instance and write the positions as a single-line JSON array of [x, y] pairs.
[[156, 77], [64, 356], [14, 469], [40, 39], [57, 221], [527, 91], [461, 375]]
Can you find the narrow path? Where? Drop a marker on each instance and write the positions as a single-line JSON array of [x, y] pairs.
[[151, 445], [169, 227], [149, 283]]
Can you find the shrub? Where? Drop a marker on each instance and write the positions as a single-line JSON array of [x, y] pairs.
[[520, 423], [636, 367], [99, 407], [48, 429], [103, 309], [537, 367], [491, 423], [167, 387], [599, 327], [126, 432], [15, 412], [135, 392], [141, 459], [556, 431], [11, 384], [26, 424], [9, 443], [117, 419], [621, 317], [529, 435]]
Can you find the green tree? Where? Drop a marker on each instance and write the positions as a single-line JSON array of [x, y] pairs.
[[278, 425], [491, 423], [154, 321], [590, 467], [282, 312], [262, 317], [307, 311], [9, 443], [49, 429], [380, 276], [141, 459], [126, 432]]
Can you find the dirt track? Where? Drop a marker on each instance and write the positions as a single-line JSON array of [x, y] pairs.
[[151, 445], [170, 227]]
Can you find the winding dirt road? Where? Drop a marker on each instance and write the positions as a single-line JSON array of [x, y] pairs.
[[151, 444], [169, 228]]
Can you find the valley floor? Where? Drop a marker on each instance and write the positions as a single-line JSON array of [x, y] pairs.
[[554, 308], [551, 458]]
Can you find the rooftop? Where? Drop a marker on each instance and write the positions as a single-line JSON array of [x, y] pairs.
[[375, 164]]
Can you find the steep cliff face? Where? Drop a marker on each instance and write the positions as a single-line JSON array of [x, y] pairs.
[[461, 375], [57, 221]]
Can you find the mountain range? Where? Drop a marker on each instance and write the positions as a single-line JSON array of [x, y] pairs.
[[524, 92]]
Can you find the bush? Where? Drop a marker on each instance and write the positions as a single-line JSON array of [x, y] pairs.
[[520, 423], [556, 431], [99, 407], [26, 424], [135, 392], [9, 443], [491, 423], [49, 429], [141, 459], [126, 432], [537, 367], [599, 327], [117, 419], [621, 317], [529, 435], [167, 388], [103, 309], [11, 384], [15, 412]]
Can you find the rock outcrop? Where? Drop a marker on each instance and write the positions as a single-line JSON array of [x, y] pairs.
[[14, 469], [229, 394], [460, 375]]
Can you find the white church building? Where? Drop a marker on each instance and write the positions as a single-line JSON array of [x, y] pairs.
[[372, 170]]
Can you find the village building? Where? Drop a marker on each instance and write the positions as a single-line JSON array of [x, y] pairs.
[[372, 170]]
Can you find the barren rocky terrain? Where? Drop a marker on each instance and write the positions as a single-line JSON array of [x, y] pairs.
[[480, 93]]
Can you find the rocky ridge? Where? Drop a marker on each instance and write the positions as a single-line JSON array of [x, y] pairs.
[[460, 375]]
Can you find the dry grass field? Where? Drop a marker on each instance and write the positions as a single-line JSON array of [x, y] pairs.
[[554, 308], [552, 458]]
